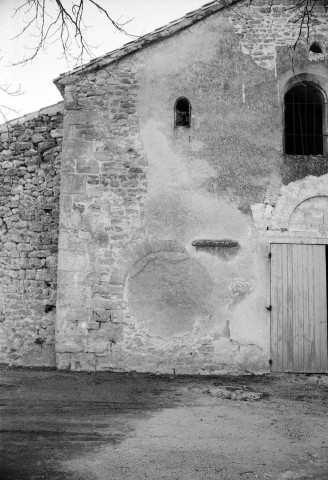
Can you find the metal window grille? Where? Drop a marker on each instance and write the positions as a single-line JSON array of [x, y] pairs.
[[304, 120]]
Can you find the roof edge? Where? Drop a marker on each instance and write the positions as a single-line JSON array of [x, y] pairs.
[[157, 35]]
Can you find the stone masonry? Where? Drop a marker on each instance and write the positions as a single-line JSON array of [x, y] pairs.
[[136, 193], [263, 28], [30, 151], [102, 195]]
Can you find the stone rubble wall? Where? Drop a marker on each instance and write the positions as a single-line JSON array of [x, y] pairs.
[[103, 190], [30, 157], [262, 28]]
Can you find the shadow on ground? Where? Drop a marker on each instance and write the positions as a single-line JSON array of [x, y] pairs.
[[65, 425]]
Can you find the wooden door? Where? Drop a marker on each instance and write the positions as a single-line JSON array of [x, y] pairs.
[[299, 308]]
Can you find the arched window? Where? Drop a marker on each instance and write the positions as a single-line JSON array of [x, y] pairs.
[[182, 112], [304, 120]]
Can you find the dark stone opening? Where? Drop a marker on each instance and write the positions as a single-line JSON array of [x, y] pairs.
[[224, 248], [303, 120], [49, 308], [182, 112], [315, 47]]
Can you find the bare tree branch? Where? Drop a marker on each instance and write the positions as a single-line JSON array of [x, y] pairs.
[[67, 26], [10, 89]]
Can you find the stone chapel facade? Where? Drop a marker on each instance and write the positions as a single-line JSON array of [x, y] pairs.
[[171, 215]]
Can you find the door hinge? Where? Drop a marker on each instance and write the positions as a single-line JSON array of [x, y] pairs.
[[270, 255]]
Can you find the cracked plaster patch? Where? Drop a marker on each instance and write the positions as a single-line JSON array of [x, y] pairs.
[[238, 290]]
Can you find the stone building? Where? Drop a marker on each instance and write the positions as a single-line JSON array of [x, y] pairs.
[[193, 203]]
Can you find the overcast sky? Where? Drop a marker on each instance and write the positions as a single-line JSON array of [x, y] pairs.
[[36, 78]]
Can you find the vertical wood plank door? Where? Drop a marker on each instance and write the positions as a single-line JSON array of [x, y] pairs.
[[299, 308]]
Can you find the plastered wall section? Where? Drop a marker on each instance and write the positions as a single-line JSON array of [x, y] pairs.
[[202, 183], [206, 310], [30, 151], [134, 292]]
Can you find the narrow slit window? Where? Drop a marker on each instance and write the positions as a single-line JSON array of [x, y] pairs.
[[182, 112], [304, 120]]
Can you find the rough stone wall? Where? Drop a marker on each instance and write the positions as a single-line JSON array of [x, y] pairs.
[[103, 191], [262, 28], [30, 151]]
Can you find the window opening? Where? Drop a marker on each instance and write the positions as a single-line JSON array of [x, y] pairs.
[[182, 112], [303, 120], [315, 47]]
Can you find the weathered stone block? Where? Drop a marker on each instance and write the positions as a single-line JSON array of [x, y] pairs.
[[72, 297], [99, 303], [117, 279], [116, 316], [72, 261], [100, 315], [93, 325], [73, 345], [70, 99], [71, 183], [98, 346], [109, 332], [56, 133], [87, 166], [83, 362], [37, 138], [103, 289], [44, 274], [63, 361], [51, 262], [43, 146]]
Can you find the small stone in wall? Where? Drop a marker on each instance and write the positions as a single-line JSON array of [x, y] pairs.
[[58, 132], [101, 238], [43, 146]]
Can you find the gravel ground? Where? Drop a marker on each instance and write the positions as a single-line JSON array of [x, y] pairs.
[[117, 426]]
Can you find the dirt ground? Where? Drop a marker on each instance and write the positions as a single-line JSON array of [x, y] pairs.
[[110, 426]]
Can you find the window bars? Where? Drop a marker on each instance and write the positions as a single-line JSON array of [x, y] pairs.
[[304, 106]]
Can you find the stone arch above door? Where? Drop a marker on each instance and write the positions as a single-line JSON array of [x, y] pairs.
[[310, 215], [296, 201]]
